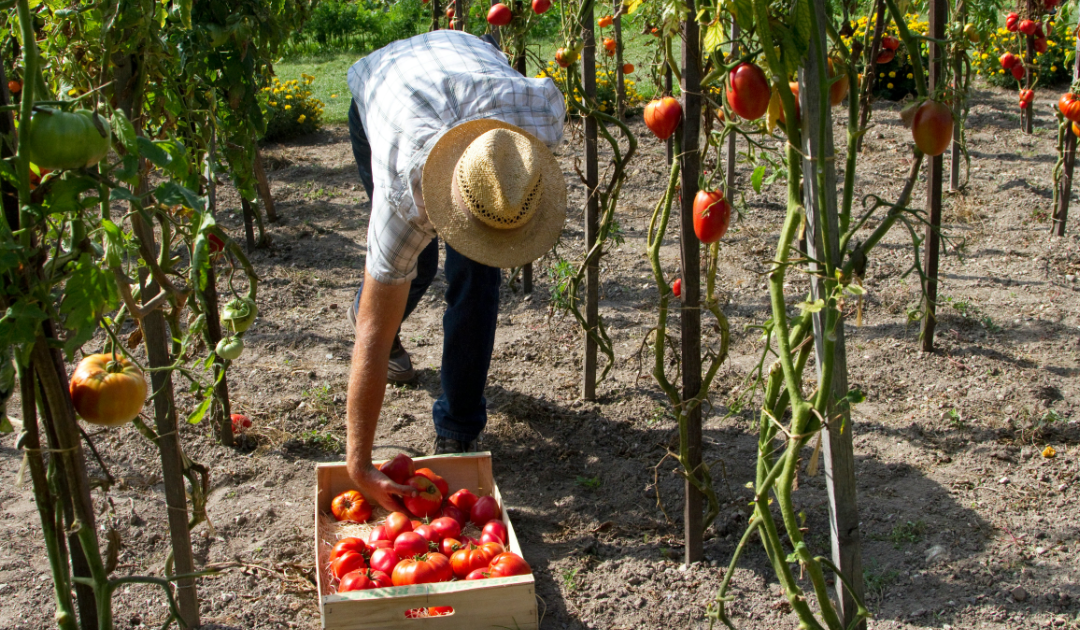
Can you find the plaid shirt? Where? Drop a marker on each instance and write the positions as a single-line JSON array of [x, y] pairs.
[[408, 95]]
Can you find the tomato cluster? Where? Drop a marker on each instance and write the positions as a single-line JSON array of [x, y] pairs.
[[403, 550]]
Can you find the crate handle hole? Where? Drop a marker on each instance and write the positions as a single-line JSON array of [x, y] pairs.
[[433, 611]]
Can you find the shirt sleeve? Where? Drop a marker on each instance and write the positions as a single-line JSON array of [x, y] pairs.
[[393, 246]]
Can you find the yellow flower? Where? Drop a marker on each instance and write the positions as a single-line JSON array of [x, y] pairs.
[[1001, 71], [881, 75], [273, 103], [333, 96], [288, 107], [910, 76], [301, 119], [890, 86], [985, 56], [288, 97], [1053, 68], [892, 75]]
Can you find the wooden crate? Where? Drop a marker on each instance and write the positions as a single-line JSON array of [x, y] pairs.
[[494, 603]]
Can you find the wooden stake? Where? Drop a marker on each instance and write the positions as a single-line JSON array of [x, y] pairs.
[[620, 78], [822, 236], [870, 74], [932, 243], [592, 206], [691, 270], [249, 229], [263, 186], [1061, 212], [956, 157], [519, 65], [732, 152]]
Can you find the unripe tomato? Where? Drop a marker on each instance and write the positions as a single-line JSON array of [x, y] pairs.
[[540, 7], [748, 91], [628, 68], [1027, 27], [932, 128], [351, 506], [229, 348], [890, 43], [107, 392], [239, 314], [712, 214], [62, 140], [1069, 104], [499, 15], [676, 287], [1008, 60], [971, 33], [565, 57], [662, 116], [1012, 22]]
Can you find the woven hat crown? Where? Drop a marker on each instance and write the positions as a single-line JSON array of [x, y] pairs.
[[498, 179]]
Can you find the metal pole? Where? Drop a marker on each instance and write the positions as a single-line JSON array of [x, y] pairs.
[[592, 207], [933, 188], [691, 270]]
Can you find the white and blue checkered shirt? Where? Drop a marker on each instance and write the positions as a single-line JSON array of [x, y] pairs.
[[408, 95]]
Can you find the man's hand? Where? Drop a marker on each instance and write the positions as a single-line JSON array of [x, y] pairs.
[[378, 487]]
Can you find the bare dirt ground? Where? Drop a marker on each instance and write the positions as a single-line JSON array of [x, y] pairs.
[[964, 523]]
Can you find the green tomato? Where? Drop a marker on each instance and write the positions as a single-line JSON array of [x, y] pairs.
[[62, 140], [230, 348], [239, 314]]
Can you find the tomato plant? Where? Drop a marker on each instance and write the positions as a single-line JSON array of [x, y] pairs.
[[351, 506], [107, 390], [239, 314]]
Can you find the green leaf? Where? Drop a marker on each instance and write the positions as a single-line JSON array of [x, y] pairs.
[[855, 397], [90, 291], [714, 37], [20, 323], [123, 194], [793, 557], [63, 195], [151, 151], [173, 194], [812, 307], [854, 289], [5, 424], [801, 25], [756, 177], [743, 10], [125, 131], [200, 411]]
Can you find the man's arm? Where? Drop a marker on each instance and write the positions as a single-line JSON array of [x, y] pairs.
[[377, 320]]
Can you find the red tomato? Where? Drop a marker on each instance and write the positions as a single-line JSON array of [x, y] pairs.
[[885, 56], [465, 561], [381, 544], [499, 15], [428, 533], [453, 512], [628, 68], [932, 128], [605, 21], [450, 12], [14, 86], [1027, 27], [427, 499], [662, 116], [347, 563], [441, 611], [479, 574], [425, 569], [1012, 22], [1008, 60], [363, 581], [1069, 104], [107, 392], [240, 422], [462, 500], [676, 287], [890, 43], [748, 91], [398, 469], [565, 57], [446, 527], [712, 214], [351, 506], [397, 523], [1018, 71], [609, 43], [540, 7], [379, 533], [448, 546], [1041, 45], [384, 560], [507, 564], [410, 544], [1027, 96], [486, 509], [497, 530], [355, 545], [440, 483], [838, 90]]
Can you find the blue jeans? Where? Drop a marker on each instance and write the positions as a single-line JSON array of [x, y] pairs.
[[472, 310]]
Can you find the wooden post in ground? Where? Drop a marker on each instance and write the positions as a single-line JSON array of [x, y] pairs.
[[691, 271], [436, 13], [620, 78], [1026, 114], [732, 153], [263, 186], [870, 74], [934, 174], [222, 411], [956, 157], [592, 206], [667, 92], [823, 236], [1061, 212]]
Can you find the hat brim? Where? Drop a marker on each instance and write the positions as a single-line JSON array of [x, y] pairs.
[[474, 239]]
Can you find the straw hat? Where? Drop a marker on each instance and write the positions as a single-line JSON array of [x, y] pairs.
[[494, 193]]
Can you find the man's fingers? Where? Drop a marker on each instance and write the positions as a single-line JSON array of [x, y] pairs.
[[405, 491]]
